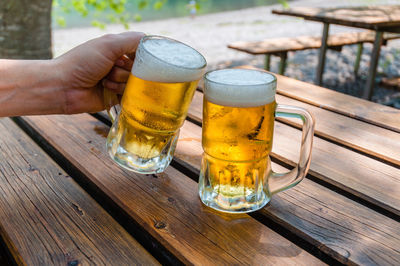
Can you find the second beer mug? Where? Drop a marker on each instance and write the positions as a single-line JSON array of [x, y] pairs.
[[157, 96], [238, 124]]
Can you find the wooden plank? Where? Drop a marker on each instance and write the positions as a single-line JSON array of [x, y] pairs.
[[369, 139], [365, 177], [360, 109], [276, 45], [47, 219], [368, 17], [346, 230], [392, 83], [346, 169], [167, 205], [376, 141]]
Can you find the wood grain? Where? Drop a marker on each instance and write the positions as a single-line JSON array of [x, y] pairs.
[[365, 177], [47, 219], [346, 230], [360, 109], [384, 17], [393, 83], [369, 139], [346, 169], [276, 45], [167, 205]]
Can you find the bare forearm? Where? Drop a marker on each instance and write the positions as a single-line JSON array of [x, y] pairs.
[[72, 83], [30, 87]]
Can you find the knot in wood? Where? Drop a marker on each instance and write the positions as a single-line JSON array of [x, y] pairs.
[[32, 169], [77, 209], [160, 225], [172, 200], [73, 263]]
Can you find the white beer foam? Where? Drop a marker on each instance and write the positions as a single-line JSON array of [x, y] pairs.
[[240, 87], [166, 60]]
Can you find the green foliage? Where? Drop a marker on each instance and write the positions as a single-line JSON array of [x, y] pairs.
[[101, 12], [143, 4], [284, 3], [61, 21], [104, 11], [159, 4], [98, 24], [138, 17]]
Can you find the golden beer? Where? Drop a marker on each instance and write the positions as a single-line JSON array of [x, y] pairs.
[[236, 143], [238, 133], [157, 96], [152, 113]]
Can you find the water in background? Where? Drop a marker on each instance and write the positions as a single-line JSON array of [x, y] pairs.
[[172, 8]]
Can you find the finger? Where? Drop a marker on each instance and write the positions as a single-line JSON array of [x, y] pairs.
[[124, 62], [118, 74], [127, 42], [114, 86], [131, 55]]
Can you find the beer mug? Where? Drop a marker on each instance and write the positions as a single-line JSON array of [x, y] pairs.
[[154, 105], [239, 109]]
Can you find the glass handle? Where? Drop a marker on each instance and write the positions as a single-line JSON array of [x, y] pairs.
[[111, 103], [279, 182]]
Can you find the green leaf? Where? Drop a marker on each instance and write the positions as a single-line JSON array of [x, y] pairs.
[[56, 3], [117, 6], [158, 5], [112, 18], [284, 3], [104, 11], [137, 17], [61, 21], [66, 9], [80, 6], [143, 4], [100, 5], [98, 24]]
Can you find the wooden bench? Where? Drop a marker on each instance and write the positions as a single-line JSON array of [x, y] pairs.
[[392, 83], [281, 46]]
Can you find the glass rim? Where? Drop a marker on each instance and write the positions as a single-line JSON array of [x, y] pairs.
[[240, 85], [147, 37]]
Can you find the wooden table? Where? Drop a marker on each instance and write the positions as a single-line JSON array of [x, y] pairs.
[[64, 202], [378, 18]]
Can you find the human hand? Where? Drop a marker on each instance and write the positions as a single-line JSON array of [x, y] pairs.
[[104, 61]]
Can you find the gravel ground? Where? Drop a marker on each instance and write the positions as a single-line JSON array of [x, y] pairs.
[[210, 34], [339, 70]]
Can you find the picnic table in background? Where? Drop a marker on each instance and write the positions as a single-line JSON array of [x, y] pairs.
[[383, 18], [63, 200]]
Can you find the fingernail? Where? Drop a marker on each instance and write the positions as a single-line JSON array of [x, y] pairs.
[[120, 63]]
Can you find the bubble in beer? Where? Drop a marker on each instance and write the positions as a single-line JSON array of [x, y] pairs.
[[167, 60], [240, 87]]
